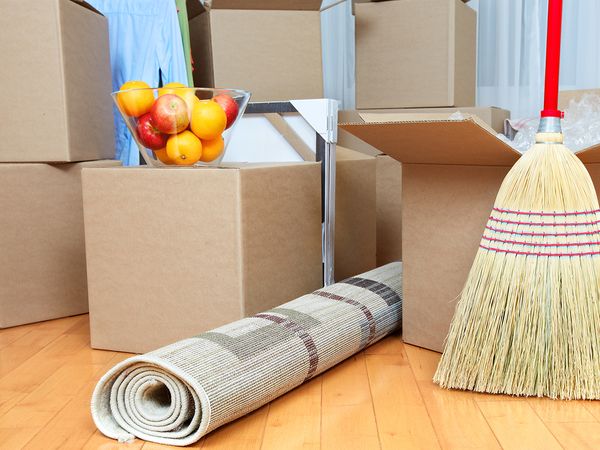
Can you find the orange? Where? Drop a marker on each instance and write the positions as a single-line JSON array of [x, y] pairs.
[[208, 120], [169, 88], [211, 150], [162, 156], [136, 102], [184, 149]]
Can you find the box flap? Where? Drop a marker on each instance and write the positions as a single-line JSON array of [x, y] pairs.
[[296, 5], [589, 155], [433, 139]]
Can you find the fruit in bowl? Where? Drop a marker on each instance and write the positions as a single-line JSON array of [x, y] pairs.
[[149, 135], [170, 114], [229, 106], [179, 125]]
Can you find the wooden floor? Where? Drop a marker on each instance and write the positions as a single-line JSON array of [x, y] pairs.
[[382, 398]]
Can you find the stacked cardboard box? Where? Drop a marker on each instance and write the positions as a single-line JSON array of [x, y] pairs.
[[271, 48], [56, 72], [415, 53]]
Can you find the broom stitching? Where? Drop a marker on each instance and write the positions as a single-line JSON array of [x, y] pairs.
[[515, 252], [533, 244], [529, 213], [542, 224], [580, 233]]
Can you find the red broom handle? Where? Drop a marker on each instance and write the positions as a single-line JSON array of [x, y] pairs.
[[552, 59]]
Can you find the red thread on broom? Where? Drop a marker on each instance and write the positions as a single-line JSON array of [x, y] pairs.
[[514, 252], [533, 244], [529, 213], [542, 224], [580, 233]]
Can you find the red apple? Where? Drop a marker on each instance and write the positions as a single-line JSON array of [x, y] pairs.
[[170, 114], [149, 135], [229, 105]]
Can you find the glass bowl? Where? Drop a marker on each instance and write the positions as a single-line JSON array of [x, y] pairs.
[[181, 126]]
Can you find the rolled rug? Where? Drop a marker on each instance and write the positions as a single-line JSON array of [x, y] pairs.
[[178, 393]]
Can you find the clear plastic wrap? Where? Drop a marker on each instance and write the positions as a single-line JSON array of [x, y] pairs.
[[581, 126], [456, 116]]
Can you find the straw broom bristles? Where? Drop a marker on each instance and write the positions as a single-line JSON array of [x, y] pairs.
[[528, 320]]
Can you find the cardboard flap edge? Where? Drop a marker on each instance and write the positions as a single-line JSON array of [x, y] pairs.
[[502, 153]]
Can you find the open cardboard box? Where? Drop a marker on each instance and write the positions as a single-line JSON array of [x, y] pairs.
[[452, 170]]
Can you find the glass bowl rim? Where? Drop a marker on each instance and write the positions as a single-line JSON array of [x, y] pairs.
[[235, 91]]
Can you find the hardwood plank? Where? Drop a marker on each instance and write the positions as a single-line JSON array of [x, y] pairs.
[[449, 411], [424, 364], [578, 436], [73, 426], [593, 406], [517, 426], [348, 419], [10, 335], [20, 350], [244, 434], [14, 438], [295, 419], [402, 419], [391, 345], [35, 370], [100, 442], [561, 411], [155, 446], [8, 399], [39, 407]]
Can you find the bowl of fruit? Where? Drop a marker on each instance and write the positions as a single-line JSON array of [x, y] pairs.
[[179, 125]]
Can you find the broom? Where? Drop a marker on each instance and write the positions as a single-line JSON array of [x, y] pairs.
[[528, 320]]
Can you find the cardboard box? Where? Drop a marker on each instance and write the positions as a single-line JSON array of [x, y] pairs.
[[415, 53], [355, 210], [270, 47], [42, 260], [56, 73], [451, 173], [565, 97], [172, 252], [389, 210], [389, 173], [388, 199]]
